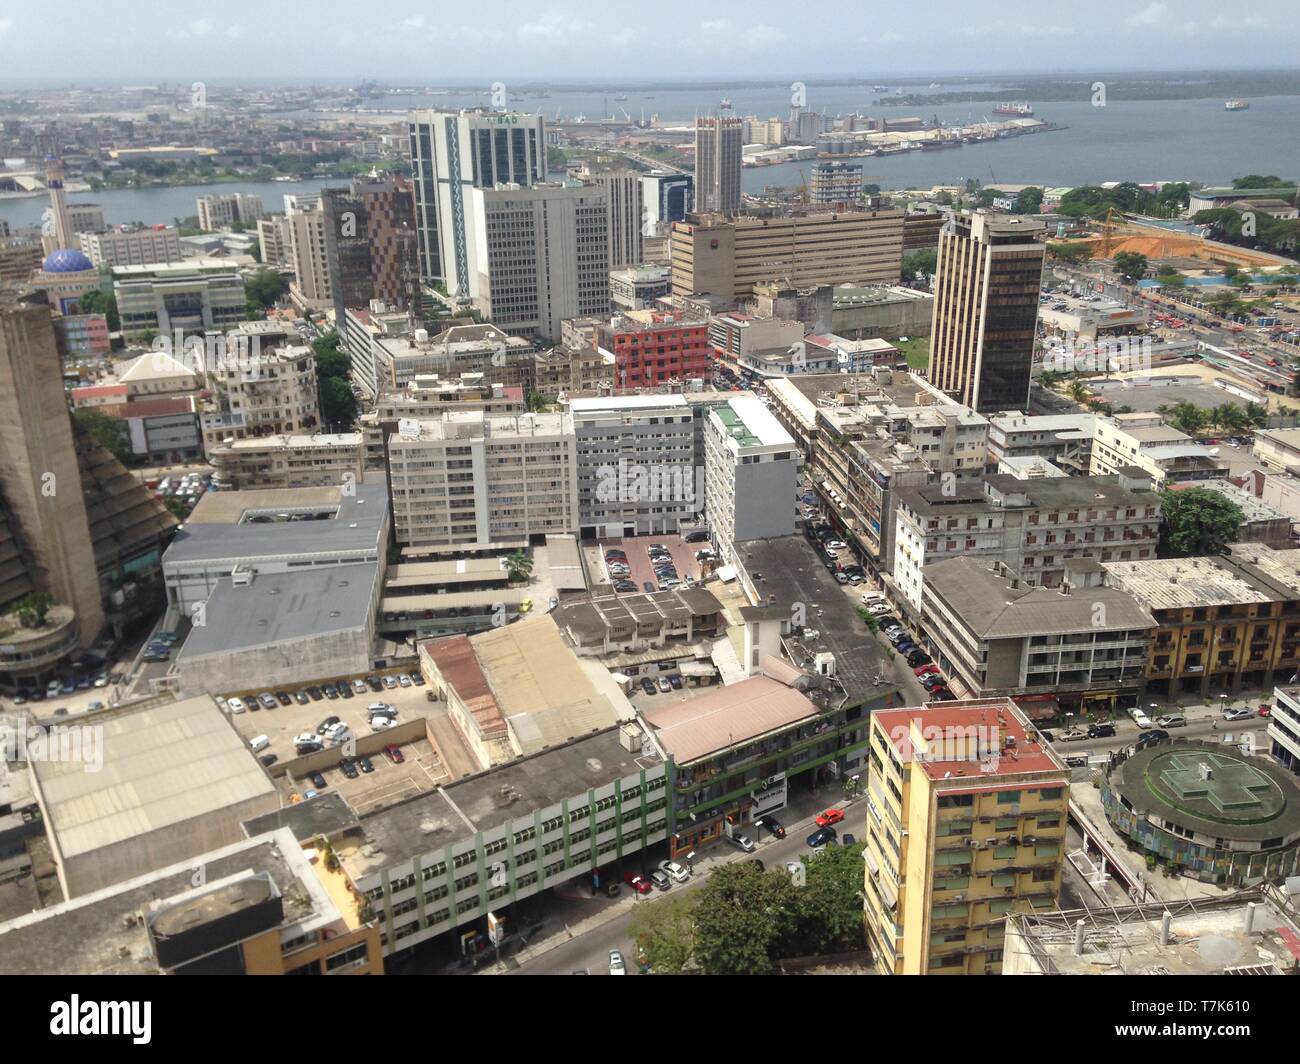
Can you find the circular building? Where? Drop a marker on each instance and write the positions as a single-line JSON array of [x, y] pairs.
[[65, 276], [66, 260], [1217, 814]]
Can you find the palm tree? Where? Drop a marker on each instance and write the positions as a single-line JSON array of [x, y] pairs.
[[1078, 390], [518, 565]]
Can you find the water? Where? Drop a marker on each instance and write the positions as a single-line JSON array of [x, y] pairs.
[[1143, 140]]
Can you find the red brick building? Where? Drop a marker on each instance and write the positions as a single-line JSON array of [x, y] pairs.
[[650, 347]]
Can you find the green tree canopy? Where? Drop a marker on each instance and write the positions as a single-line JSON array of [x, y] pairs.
[[1028, 200], [664, 933], [1131, 266], [97, 301], [1196, 522], [264, 289], [923, 261], [110, 431]]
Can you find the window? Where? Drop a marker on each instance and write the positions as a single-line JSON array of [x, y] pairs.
[[356, 955], [1009, 797]]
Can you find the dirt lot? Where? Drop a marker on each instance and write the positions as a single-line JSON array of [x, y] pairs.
[[639, 561]]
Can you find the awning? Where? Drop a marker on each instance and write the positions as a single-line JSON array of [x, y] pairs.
[[871, 862]]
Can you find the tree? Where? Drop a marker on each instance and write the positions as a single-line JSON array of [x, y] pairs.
[[1028, 200], [1131, 266], [1070, 254], [518, 565], [338, 406], [97, 301], [828, 908], [1185, 417], [1196, 522], [264, 289], [664, 933], [111, 432], [924, 261], [741, 917], [33, 608], [1078, 390]]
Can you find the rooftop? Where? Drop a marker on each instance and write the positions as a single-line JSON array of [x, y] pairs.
[[627, 613], [727, 716], [1253, 574], [162, 766], [748, 422]]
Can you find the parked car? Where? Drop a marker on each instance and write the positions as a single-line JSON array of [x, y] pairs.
[[313, 747], [1172, 720], [374, 683], [381, 709], [315, 693], [403, 680], [306, 737], [378, 723], [317, 780], [836, 544], [648, 685], [660, 880], [1266, 710], [269, 759], [325, 725], [1076, 760], [638, 882], [365, 764], [284, 698], [624, 586], [267, 701], [848, 840], [821, 837], [300, 696], [648, 585], [664, 685], [698, 536], [359, 687], [1072, 735], [344, 689], [903, 646], [1149, 737], [878, 609], [1238, 714], [1104, 730], [916, 658], [924, 670], [1140, 718], [617, 966], [675, 682], [349, 769], [390, 683], [742, 842], [418, 678], [236, 705], [676, 871], [829, 817], [395, 755], [772, 825], [330, 691]]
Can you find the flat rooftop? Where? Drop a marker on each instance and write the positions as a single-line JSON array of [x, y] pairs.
[[162, 765], [788, 570], [748, 421], [508, 792], [1207, 937], [1258, 575], [626, 613]]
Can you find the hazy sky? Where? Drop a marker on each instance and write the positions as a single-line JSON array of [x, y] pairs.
[[341, 41]]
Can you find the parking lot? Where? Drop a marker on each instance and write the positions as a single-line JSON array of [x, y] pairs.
[[420, 771], [683, 555]]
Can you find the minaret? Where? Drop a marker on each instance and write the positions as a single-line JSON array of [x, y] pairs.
[[64, 237]]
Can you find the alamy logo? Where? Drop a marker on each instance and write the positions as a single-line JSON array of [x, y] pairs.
[[79, 1017]]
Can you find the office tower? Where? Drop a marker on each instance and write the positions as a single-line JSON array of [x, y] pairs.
[[452, 153], [222, 211], [965, 822], [667, 198], [837, 182], [717, 164], [136, 247], [43, 502], [985, 309], [369, 236], [537, 256], [345, 230], [275, 240], [310, 258], [623, 189]]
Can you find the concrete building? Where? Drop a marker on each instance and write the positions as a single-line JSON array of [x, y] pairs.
[[1079, 648], [82, 336], [668, 198], [1225, 623], [275, 240], [285, 461], [630, 624], [866, 311], [1278, 449], [566, 371], [370, 243], [471, 478], [1284, 727], [985, 309], [132, 247], [837, 182], [1145, 441], [622, 190], [751, 466], [19, 259], [730, 257], [537, 255], [739, 338], [271, 393], [652, 347], [176, 781], [966, 818], [638, 287], [312, 288], [400, 358], [193, 296], [718, 142], [636, 465], [1065, 440], [1034, 527], [222, 211], [262, 908], [452, 154], [810, 306]]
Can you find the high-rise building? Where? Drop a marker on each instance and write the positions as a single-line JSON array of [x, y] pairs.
[[275, 240], [985, 309], [718, 143], [272, 392], [222, 211], [651, 347], [837, 182], [668, 198], [368, 229], [195, 295], [311, 287], [135, 247], [623, 189], [537, 255], [965, 822], [452, 153]]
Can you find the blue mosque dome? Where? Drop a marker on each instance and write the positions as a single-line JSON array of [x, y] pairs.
[[66, 260]]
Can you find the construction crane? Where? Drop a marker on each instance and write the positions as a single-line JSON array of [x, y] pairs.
[[1114, 220]]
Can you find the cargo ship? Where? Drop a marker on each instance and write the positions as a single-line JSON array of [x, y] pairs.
[[1020, 110], [1236, 105]]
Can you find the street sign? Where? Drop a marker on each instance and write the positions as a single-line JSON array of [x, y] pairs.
[[496, 929]]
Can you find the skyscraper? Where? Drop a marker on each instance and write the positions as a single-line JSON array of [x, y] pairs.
[[623, 190], [985, 309], [717, 164], [452, 153], [668, 197]]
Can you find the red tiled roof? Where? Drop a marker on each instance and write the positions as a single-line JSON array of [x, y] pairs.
[[455, 659], [98, 391]]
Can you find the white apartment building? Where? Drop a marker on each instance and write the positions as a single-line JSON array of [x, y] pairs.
[[311, 288], [471, 478], [288, 461], [222, 211], [268, 393], [538, 255], [1034, 527], [623, 192], [751, 469], [1284, 727], [638, 287], [637, 468], [275, 240], [456, 350], [118, 247], [197, 295]]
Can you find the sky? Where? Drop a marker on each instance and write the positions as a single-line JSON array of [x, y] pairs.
[[59, 42]]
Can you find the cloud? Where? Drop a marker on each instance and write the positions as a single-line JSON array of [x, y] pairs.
[[1149, 15], [5, 24], [763, 34], [234, 32], [200, 29], [555, 27], [623, 37], [715, 26]]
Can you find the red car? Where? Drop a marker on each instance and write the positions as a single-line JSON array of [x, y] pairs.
[[637, 882], [394, 754], [1266, 710], [831, 816], [921, 670]]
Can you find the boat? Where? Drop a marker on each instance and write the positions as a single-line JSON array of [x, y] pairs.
[[1021, 110], [1236, 105], [879, 88]]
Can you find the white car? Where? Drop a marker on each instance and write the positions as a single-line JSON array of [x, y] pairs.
[[305, 737], [1140, 718], [380, 723], [389, 682], [617, 966], [672, 868], [236, 705], [836, 544], [879, 609], [403, 680]]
